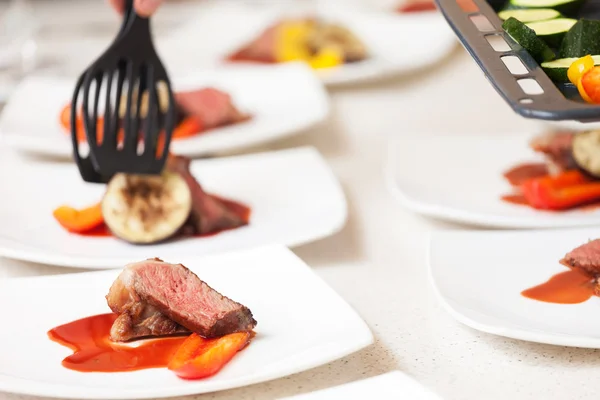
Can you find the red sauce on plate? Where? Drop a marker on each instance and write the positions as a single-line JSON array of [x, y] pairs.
[[569, 287], [518, 199], [93, 351]]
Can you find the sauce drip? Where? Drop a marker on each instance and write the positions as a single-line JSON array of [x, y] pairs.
[[93, 351], [522, 172], [518, 199], [569, 287]]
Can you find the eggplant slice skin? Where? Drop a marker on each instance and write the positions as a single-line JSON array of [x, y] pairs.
[[145, 209], [586, 152]]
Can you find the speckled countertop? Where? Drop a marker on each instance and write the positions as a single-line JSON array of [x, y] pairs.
[[378, 262]]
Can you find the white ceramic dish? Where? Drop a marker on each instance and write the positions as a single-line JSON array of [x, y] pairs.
[[271, 281], [389, 37], [479, 277], [30, 120], [390, 386], [459, 179], [293, 194]]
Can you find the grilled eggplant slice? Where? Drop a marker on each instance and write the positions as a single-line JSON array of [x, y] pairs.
[[144, 209], [586, 152]]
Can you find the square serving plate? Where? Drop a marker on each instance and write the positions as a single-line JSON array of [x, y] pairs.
[[30, 121], [459, 178], [295, 331], [390, 386], [479, 276], [293, 195], [387, 35], [476, 21]]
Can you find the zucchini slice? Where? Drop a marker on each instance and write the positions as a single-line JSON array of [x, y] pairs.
[[553, 31], [531, 15], [567, 7], [582, 39], [557, 69], [527, 38]]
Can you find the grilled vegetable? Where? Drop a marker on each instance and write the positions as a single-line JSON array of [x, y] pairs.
[[527, 38], [79, 221], [567, 7], [146, 209], [558, 70], [581, 40], [199, 358], [568, 190], [586, 152], [530, 15], [589, 85], [553, 31], [579, 67]]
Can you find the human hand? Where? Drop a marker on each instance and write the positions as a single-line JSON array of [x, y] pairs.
[[144, 8]]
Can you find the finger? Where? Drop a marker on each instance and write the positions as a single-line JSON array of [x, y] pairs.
[[145, 8], [118, 5]]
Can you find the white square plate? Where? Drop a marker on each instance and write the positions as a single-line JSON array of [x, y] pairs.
[[459, 178], [294, 197], [479, 277], [30, 120], [295, 331], [391, 386], [397, 43]]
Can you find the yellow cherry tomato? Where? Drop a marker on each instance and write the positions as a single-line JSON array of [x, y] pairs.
[[579, 68], [327, 57], [291, 42]]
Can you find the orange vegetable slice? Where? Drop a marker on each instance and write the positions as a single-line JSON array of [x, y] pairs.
[[79, 221], [199, 358], [589, 85]]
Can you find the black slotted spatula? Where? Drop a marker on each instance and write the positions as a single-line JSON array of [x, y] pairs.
[[139, 109]]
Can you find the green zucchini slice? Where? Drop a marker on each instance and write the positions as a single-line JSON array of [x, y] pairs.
[[566, 7], [531, 15], [553, 31], [527, 38], [582, 39], [557, 70]]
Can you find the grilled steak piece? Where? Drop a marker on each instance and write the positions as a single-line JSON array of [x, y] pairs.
[[209, 213], [211, 106], [155, 298], [142, 320], [261, 49], [557, 147], [585, 258]]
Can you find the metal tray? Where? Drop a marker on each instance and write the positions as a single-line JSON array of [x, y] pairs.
[[557, 102]]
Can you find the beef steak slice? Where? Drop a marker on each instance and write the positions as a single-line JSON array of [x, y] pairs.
[[155, 298], [585, 258], [209, 213]]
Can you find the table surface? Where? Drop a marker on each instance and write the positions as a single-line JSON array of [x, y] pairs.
[[378, 262]]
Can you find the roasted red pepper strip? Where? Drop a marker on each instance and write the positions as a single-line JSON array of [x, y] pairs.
[[567, 190], [199, 358]]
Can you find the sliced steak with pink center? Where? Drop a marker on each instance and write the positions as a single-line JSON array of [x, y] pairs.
[[209, 213], [155, 298], [585, 258], [557, 147], [211, 106]]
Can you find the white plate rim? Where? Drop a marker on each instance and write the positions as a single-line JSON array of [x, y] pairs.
[[523, 334], [14, 249], [12, 385]]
